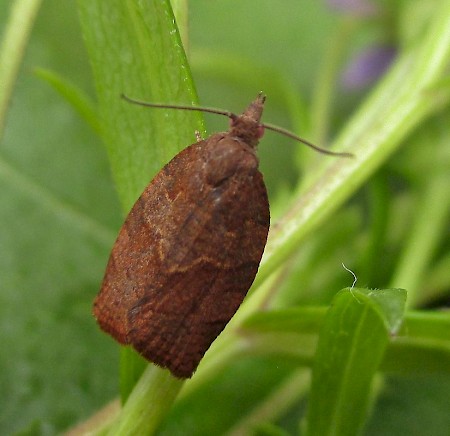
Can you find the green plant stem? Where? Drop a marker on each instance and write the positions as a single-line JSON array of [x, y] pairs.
[[272, 407], [439, 279], [378, 209], [430, 222], [12, 50], [327, 79], [145, 408], [132, 366], [395, 108], [375, 132]]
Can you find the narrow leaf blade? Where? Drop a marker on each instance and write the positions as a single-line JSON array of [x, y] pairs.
[[351, 345]]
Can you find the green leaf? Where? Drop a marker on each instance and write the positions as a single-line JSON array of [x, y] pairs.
[[75, 96], [269, 430], [295, 320], [309, 319], [135, 49], [351, 345], [422, 346], [391, 304], [12, 49], [427, 324]]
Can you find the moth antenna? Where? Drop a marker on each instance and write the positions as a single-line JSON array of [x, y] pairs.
[[304, 141], [210, 110], [234, 116]]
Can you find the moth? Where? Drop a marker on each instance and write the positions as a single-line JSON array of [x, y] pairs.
[[190, 247]]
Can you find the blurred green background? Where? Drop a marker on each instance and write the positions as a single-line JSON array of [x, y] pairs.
[[59, 214]]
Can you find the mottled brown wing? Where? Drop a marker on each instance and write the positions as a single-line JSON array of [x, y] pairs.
[[187, 254], [135, 260]]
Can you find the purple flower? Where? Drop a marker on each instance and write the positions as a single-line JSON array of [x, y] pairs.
[[364, 8], [368, 66]]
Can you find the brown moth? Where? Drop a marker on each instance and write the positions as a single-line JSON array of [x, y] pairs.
[[190, 247]]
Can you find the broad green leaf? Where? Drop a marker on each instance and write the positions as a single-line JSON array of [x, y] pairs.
[[351, 345]]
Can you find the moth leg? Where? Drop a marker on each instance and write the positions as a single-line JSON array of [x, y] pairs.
[[198, 136]]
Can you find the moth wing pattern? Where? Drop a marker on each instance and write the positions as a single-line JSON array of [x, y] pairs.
[[195, 254]]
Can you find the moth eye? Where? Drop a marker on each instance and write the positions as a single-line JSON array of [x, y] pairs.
[[260, 131]]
